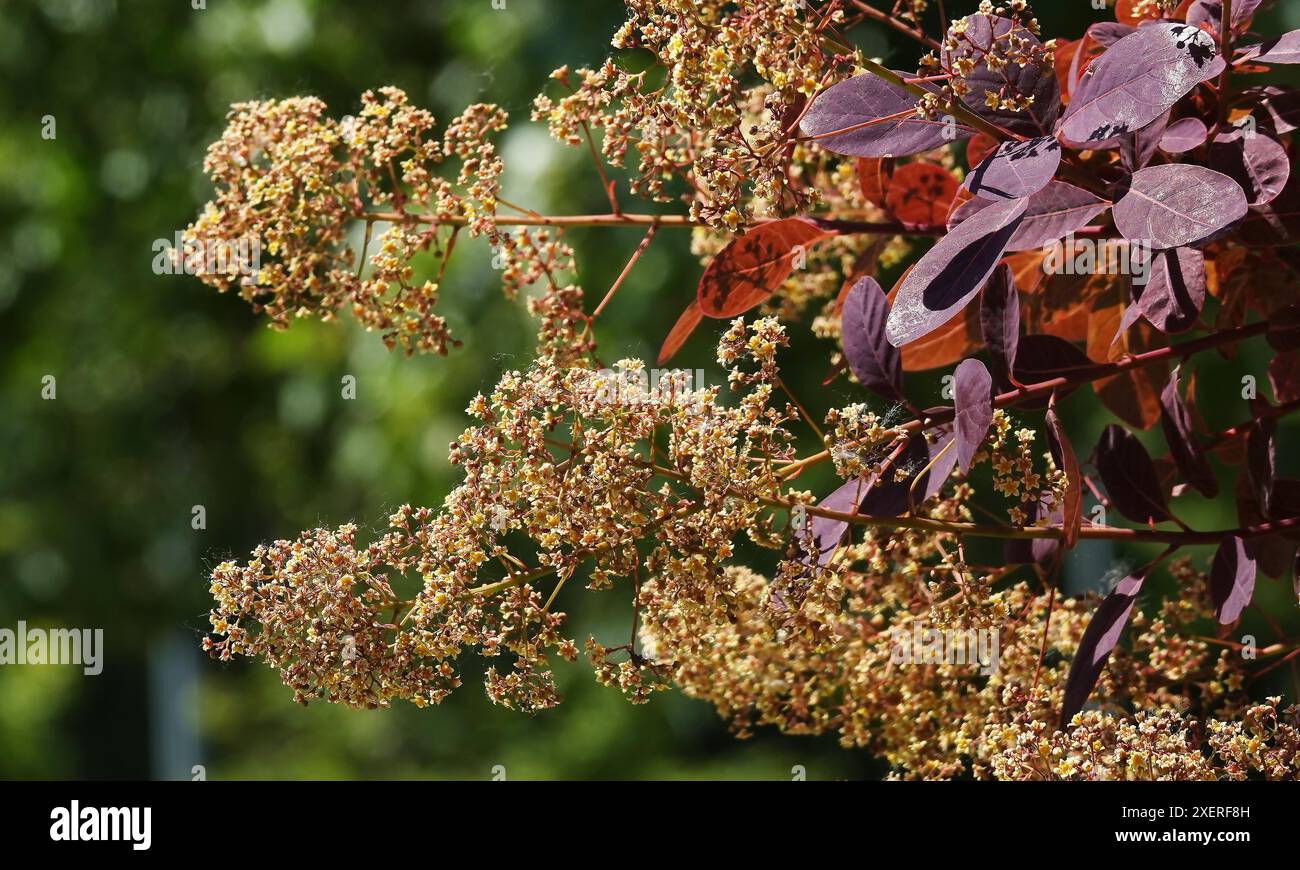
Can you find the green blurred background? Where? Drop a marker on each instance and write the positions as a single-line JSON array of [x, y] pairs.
[[171, 396]]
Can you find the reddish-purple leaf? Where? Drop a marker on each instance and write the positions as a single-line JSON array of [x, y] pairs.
[[1130, 476], [1174, 293], [1015, 169], [1099, 638], [972, 392], [1275, 108], [1041, 358], [1136, 80], [1000, 321], [1038, 82], [875, 362], [751, 267], [823, 535], [1068, 463], [1053, 213], [952, 272], [1284, 49], [1176, 420], [1137, 149], [1261, 462], [1183, 135], [1257, 163], [1232, 580], [1210, 13], [1107, 33], [857, 106], [1174, 205]]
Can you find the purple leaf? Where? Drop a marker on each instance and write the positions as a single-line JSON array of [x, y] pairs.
[[1183, 135], [863, 99], [1232, 580], [1257, 163], [1015, 170], [1261, 463], [1068, 464], [1175, 290], [972, 391], [875, 362], [1042, 358], [1276, 108], [1000, 321], [1136, 80], [1284, 49], [1053, 213], [1174, 205], [1176, 420], [823, 535], [1137, 149], [1130, 477], [1210, 13], [1107, 33], [952, 272], [1099, 638], [1038, 82]]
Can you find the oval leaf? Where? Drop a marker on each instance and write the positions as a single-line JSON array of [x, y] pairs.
[[1175, 290], [1099, 638], [1130, 476], [1183, 135], [1257, 163], [1137, 79], [1232, 580], [875, 362], [952, 272], [1176, 420], [920, 194], [1015, 169], [857, 107], [1053, 213], [972, 391], [1000, 321], [1174, 205], [980, 33], [753, 266]]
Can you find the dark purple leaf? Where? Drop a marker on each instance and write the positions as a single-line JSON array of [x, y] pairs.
[[1041, 358], [852, 105], [1183, 135], [1000, 321], [1232, 580], [1284, 49], [823, 535], [1099, 638], [952, 272], [1038, 82], [1275, 223], [1261, 462], [1176, 420], [1053, 213], [1015, 169], [1136, 80], [875, 362], [1174, 205], [972, 391], [1137, 149], [1257, 163], [1174, 293], [1275, 108], [1284, 329], [1130, 476]]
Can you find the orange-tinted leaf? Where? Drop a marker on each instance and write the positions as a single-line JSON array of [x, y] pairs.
[[978, 147], [1136, 11], [1063, 455], [921, 193], [755, 265], [874, 174], [681, 331], [1134, 395]]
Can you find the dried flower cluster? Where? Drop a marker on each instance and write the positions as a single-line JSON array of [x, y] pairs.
[[796, 160]]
